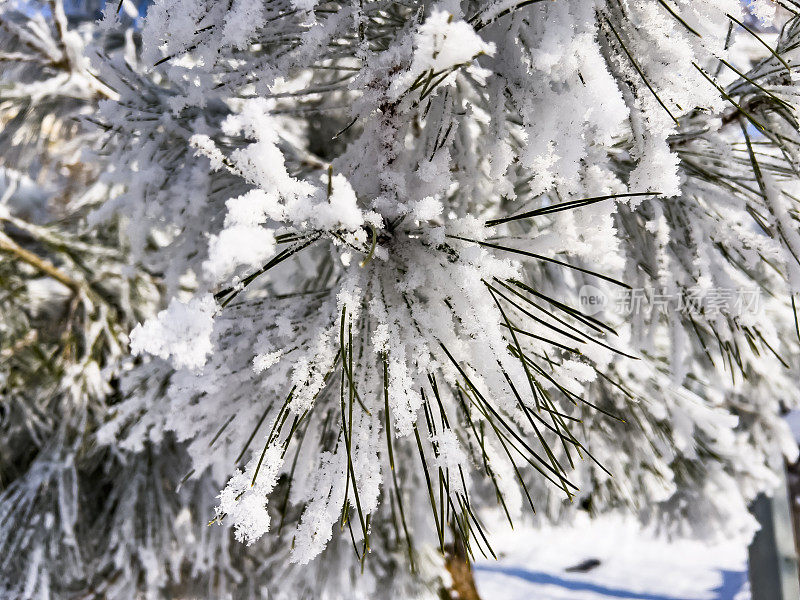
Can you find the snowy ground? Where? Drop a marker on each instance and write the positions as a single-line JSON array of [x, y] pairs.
[[634, 565]]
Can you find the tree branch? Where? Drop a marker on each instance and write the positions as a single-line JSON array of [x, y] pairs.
[[9, 246]]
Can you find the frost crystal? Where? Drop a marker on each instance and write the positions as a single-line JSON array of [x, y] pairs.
[[181, 333]]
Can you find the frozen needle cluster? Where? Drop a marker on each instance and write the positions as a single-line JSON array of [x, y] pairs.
[[372, 224]]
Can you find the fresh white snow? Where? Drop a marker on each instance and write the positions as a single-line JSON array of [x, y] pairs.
[[635, 564]]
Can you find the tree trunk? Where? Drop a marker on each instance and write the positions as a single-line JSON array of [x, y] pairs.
[[462, 586]]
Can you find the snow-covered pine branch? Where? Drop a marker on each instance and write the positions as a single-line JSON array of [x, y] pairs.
[[372, 223], [388, 284]]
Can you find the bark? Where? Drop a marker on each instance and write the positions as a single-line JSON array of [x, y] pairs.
[[463, 583]]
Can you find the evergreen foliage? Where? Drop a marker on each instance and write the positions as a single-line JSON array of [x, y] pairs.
[[356, 237]]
